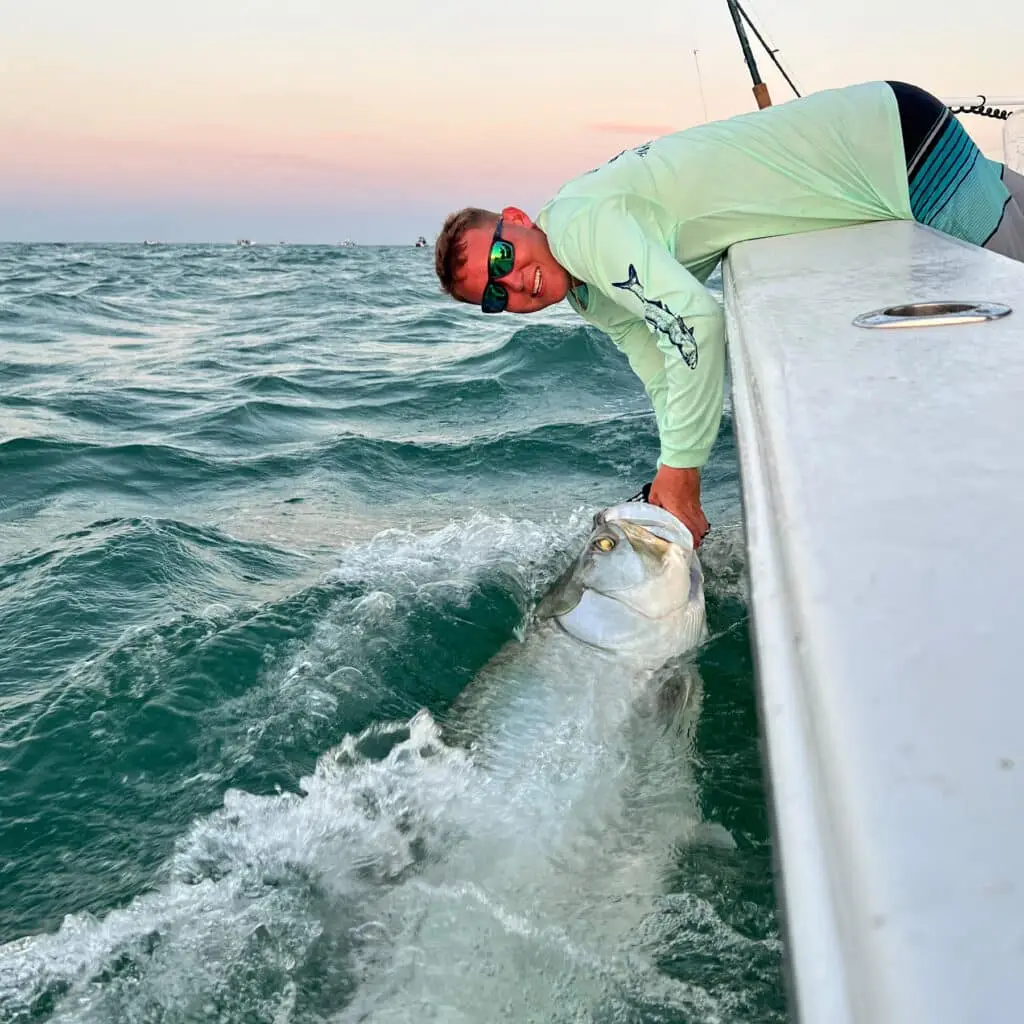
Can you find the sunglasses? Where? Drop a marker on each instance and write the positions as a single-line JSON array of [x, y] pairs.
[[500, 261]]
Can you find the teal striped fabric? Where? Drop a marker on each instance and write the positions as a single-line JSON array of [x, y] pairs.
[[958, 190]]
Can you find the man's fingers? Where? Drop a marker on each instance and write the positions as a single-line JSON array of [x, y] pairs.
[[703, 528], [693, 518]]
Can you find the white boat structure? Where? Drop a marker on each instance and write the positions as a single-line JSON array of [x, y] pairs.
[[348, 244], [878, 400], [883, 485]]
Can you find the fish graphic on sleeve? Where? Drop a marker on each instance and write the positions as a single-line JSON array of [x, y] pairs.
[[662, 319]]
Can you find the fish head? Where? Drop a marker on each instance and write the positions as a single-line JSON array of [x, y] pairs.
[[636, 588]]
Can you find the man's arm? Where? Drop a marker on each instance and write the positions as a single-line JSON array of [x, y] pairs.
[[674, 488], [673, 334]]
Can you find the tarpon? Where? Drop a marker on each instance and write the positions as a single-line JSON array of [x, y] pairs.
[[504, 861], [579, 742]]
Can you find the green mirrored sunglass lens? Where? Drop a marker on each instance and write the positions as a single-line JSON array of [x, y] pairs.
[[503, 258], [494, 299]]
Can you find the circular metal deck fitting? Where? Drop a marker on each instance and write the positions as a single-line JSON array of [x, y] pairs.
[[932, 314]]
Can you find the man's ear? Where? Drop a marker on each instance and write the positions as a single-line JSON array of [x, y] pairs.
[[513, 215]]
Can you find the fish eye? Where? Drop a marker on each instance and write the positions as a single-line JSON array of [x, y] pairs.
[[604, 543]]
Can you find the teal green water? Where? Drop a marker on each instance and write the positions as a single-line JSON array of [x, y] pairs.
[[264, 515]]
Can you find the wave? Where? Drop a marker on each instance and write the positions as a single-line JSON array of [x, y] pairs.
[[255, 561], [188, 674], [299, 903], [38, 469]]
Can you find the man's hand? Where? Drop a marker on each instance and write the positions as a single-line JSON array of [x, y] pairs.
[[678, 491]]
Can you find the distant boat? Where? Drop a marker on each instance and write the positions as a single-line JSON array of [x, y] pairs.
[[151, 242], [243, 241], [348, 243], [421, 242]]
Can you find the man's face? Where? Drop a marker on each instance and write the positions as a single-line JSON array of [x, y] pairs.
[[535, 281]]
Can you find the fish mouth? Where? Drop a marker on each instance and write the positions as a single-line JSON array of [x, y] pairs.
[[642, 540], [567, 591], [646, 520], [650, 531]]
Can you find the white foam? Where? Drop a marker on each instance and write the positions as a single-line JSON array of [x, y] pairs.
[[460, 551], [275, 866], [512, 870]]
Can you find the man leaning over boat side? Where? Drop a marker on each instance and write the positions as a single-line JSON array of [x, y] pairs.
[[631, 243]]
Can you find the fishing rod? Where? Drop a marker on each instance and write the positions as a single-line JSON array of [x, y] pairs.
[[767, 49], [739, 16], [760, 89]]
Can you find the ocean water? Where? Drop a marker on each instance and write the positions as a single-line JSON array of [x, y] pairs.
[[273, 521]]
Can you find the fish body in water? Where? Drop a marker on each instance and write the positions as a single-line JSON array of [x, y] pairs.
[[630, 602], [582, 789], [507, 864]]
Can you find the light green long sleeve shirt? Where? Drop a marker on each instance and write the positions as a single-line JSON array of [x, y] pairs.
[[644, 232]]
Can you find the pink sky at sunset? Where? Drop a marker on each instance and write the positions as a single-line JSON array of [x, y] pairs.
[[371, 123]]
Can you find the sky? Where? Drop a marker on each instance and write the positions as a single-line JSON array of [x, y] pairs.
[[321, 120]]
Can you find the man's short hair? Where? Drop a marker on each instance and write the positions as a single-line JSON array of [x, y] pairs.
[[450, 247]]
